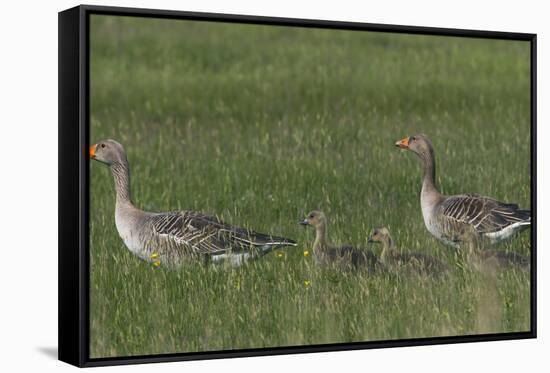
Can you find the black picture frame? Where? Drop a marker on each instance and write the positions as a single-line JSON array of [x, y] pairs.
[[74, 176]]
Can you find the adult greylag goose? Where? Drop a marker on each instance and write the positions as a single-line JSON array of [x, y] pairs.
[[345, 257], [393, 259], [456, 219], [169, 237]]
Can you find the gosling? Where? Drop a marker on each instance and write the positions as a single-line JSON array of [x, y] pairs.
[[344, 257], [415, 262]]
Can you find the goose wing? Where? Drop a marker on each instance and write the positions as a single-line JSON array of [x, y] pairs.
[[422, 262], [484, 214], [204, 234], [357, 257]]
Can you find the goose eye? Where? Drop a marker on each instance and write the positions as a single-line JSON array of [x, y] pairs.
[[413, 138], [311, 216], [102, 145]]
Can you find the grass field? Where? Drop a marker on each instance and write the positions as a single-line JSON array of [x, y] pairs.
[[260, 125]]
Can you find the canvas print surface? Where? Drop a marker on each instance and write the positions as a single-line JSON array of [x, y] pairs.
[[257, 186]]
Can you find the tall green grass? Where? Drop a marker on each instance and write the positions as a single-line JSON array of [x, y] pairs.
[[260, 125]]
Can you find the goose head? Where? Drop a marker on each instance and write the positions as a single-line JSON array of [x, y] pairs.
[[379, 235], [418, 144], [315, 219], [109, 152]]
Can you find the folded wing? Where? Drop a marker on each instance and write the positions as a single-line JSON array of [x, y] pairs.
[[483, 214], [199, 233]]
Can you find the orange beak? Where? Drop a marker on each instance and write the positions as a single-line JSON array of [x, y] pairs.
[[92, 150], [403, 144]]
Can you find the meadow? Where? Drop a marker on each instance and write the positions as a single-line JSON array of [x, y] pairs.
[[259, 125]]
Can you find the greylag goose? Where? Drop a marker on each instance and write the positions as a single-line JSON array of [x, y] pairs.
[[392, 259], [345, 257], [455, 219], [169, 237]]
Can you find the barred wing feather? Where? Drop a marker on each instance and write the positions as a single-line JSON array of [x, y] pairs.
[[484, 214], [204, 234]]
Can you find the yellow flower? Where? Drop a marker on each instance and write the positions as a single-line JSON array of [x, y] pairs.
[[156, 263], [154, 255], [306, 252], [280, 254], [307, 283]]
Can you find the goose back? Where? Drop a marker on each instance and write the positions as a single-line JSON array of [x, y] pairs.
[[456, 216], [416, 262], [195, 233], [349, 258]]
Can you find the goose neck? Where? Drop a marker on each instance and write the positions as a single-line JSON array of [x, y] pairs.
[[387, 248], [320, 243], [428, 167], [121, 175]]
